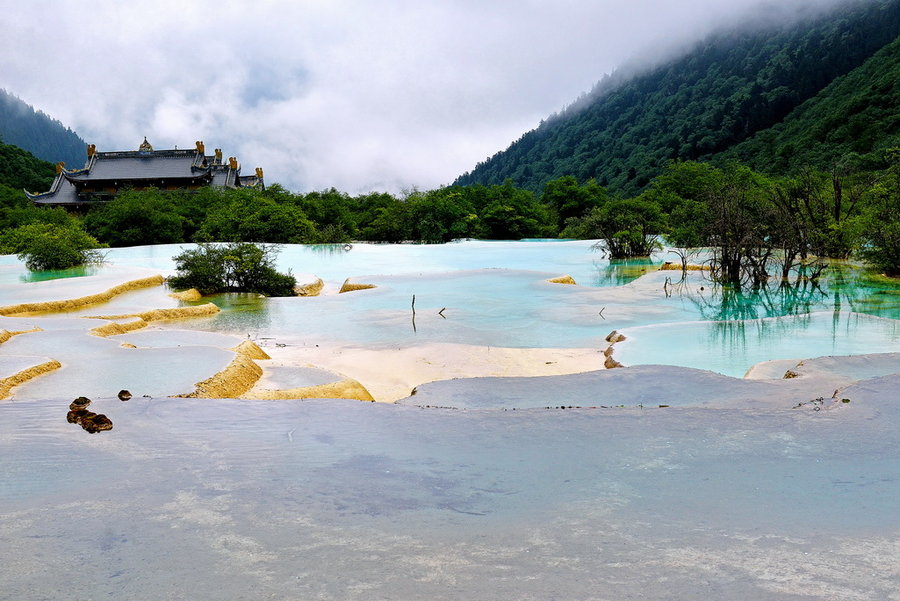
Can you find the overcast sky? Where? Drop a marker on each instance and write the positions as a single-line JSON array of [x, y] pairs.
[[359, 95]]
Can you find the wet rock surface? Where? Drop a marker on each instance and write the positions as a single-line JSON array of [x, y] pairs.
[[90, 421]]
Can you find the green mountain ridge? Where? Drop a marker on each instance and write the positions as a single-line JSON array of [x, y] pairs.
[[856, 114], [730, 89], [38, 133]]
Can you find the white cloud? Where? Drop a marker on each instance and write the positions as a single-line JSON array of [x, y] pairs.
[[357, 95]]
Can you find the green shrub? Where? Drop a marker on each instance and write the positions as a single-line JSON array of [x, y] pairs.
[[234, 267], [50, 246], [136, 218], [629, 227], [250, 217]]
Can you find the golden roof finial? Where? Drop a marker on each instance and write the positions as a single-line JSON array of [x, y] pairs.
[[146, 146]]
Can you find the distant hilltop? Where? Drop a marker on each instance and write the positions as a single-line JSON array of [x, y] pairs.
[[36, 132], [106, 173]]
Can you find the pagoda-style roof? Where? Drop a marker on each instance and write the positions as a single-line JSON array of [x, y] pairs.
[[105, 173], [170, 164], [62, 192]]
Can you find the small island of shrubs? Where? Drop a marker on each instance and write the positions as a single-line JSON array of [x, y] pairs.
[[232, 267]]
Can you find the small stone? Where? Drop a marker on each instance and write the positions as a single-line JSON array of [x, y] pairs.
[[97, 423], [124, 395], [80, 403]]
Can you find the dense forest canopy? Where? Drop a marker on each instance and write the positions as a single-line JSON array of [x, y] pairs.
[[38, 133], [854, 118], [759, 226], [728, 89]]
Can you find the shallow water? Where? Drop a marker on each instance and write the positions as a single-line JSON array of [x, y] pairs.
[[747, 342], [343, 500], [186, 498], [496, 294]]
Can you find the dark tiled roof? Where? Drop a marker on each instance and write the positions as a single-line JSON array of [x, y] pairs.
[[223, 177], [140, 167], [249, 181], [61, 192], [107, 172]]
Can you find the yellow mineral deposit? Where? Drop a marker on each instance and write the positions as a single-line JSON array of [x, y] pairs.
[[345, 389], [140, 320], [59, 306], [187, 295], [311, 289], [669, 266], [351, 287], [6, 334], [563, 279], [250, 349], [238, 377], [8, 383], [115, 328]]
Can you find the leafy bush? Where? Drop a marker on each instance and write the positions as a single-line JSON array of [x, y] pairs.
[[136, 218], [629, 227], [50, 246], [246, 216], [882, 232], [235, 267]]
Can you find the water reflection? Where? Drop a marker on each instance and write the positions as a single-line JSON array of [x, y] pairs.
[[329, 249], [618, 272], [842, 287], [56, 274], [240, 311]]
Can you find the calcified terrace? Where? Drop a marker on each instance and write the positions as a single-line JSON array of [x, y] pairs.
[[245, 461]]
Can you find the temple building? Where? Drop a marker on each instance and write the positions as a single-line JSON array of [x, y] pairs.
[[106, 173]]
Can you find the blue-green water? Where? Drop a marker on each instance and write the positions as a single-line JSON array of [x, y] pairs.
[[330, 499], [496, 294]]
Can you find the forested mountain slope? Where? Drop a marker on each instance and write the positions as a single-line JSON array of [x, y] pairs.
[[38, 133], [20, 169], [729, 88], [858, 113]]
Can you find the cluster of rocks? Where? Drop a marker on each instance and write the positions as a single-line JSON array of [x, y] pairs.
[[90, 421], [612, 338]]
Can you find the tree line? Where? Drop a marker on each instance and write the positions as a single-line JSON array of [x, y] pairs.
[[757, 225]]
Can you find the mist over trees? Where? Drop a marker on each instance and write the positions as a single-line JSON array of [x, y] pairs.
[[38, 133], [731, 88]]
